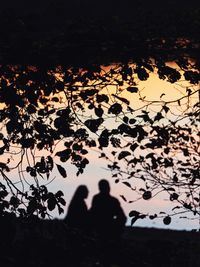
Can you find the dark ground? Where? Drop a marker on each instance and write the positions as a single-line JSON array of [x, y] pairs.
[[96, 32], [51, 243]]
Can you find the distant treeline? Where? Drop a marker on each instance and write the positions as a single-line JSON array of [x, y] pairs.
[[33, 31], [105, 6]]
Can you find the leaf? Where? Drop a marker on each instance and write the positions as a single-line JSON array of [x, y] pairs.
[[192, 76], [123, 197], [27, 142], [133, 146], [133, 213], [93, 125], [84, 151], [104, 138], [142, 74], [125, 119], [124, 100], [59, 194], [165, 108], [50, 163], [147, 195], [123, 154], [55, 99], [77, 146], [170, 189], [185, 152], [133, 220], [115, 109], [60, 210], [162, 95], [102, 98], [123, 128], [62, 201], [142, 133], [127, 184], [150, 155], [99, 112], [166, 150], [3, 166], [187, 206], [132, 89], [14, 201], [145, 117], [167, 220], [158, 117], [85, 94], [81, 134], [61, 170], [151, 217], [132, 121], [64, 154], [177, 207], [51, 203], [142, 189], [174, 196], [142, 216]]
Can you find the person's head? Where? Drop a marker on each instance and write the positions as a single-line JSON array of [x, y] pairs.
[[104, 186], [81, 192]]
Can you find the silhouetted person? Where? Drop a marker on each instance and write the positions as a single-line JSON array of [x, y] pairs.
[[77, 215], [107, 216]]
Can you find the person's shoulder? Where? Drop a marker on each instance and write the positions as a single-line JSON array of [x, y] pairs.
[[96, 197], [115, 200]]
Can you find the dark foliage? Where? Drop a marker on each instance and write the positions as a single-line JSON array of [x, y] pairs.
[[42, 108], [85, 32]]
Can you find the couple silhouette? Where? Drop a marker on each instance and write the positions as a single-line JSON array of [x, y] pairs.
[[105, 218]]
